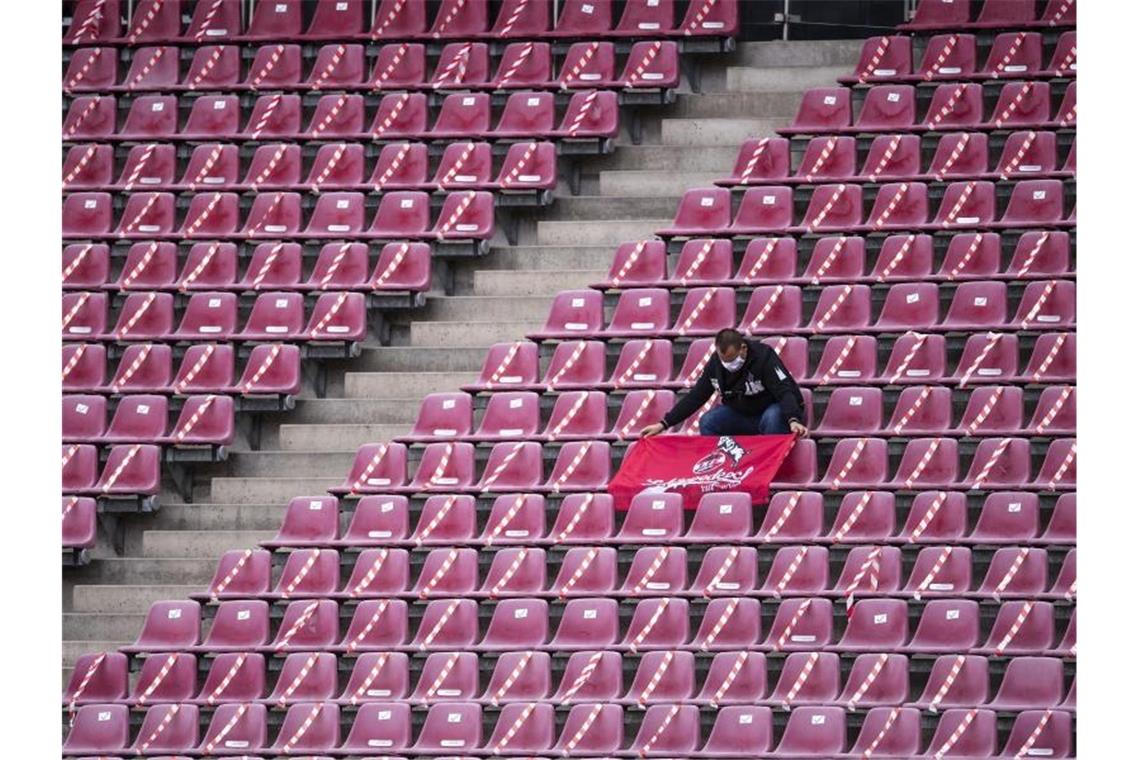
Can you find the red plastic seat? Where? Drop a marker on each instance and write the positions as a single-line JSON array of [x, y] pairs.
[[772, 309], [90, 117], [377, 624], [955, 106], [1025, 104], [169, 626], [851, 411], [899, 205], [792, 516], [1053, 359], [904, 257], [1056, 411], [97, 678], [955, 681], [987, 357], [733, 678], [90, 166], [1034, 203], [235, 726], [377, 675], [79, 523], [929, 463], [935, 517], [845, 359], [149, 117], [886, 107], [86, 266], [1046, 304], [813, 732], [843, 308], [764, 210], [214, 67], [711, 19], [574, 313], [882, 58], [922, 410], [1059, 470], [98, 729], [87, 215], [768, 259], [822, 109], [587, 64], [705, 210], [946, 625], [876, 680], [759, 161], [642, 363], [153, 68], [583, 518], [94, 21], [578, 415], [590, 115], [445, 466], [584, 19]]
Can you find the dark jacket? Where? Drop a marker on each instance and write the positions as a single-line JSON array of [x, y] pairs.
[[762, 381]]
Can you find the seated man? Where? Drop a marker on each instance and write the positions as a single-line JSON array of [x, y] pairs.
[[758, 396]]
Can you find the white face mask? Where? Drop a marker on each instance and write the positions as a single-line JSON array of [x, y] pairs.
[[733, 365]]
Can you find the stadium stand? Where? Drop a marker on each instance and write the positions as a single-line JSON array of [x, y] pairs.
[[260, 213]]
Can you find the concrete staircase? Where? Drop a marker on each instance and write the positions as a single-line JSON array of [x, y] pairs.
[[623, 196]]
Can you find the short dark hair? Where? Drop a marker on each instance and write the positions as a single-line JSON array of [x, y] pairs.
[[729, 338]]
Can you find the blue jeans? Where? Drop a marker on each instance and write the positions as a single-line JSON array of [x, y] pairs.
[[725, 421]]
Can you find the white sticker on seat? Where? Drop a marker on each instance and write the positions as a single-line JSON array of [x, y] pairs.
[[724, 509], [1038, 195], [465, 178], [953, 614], [589, 614], [532, 102], [384, 714], [153, 180], [516, 533], [912, 297], [156, 107], [1014, 506], [588, 9], [880, 618], [173, 614], [209, 329], [467, 227], [855, 401], [746, 719], [643, 377], [1017, 68], [829, 100], [280, 7], [658, 504], [941, 586], [918, 373], [469, 101], [707, 201], [236, 743], [379, 481], [515, 403], [818, 720], [406, 203], [885, 72], [656, 586], [219, 105], [510, 379], [529, 178], [712, 25], [768, 200], [645, 301], [892, 97], [243, 615], [989, 371], [950, 70], [90, 203], [337, 329], [653, 532], [967, 220], [149, 228], [275, 228], [380, 534], [577, 303], [1048, 318], [520, 614], [649, 25], [849, 373], [380, 742], [338, 228], [589, 77], [104, 716], [642, 325], [316, 506], [803, 638], [575, 325], [143, 408], [1029, 168], [447, 481]]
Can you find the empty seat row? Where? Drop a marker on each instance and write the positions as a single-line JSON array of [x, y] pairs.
[[272, 369], [669, 676], [955, 56], [1013, 572], [958, 155], [130, 469], [796, 517], [95, 21], [1025, 627], [202, 421], [335, 166], [839, 207], [953, 106], [149, 316], [449, 466], [918, 410], [840, 258], [915, 358], [779, 309], [403, 66], [994, 14], [590, 114], [403, 214], [150, 266], [590, 729]]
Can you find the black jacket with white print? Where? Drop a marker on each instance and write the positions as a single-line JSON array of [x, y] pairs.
[[750, 390]]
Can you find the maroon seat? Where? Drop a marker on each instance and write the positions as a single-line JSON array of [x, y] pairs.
[[587, 624], [766, 209], [1014, 54], [955, 106], [308, 573], [446, 519], [169, 626], [899, 206], [87, 215], [863, 517], [1035, 203], [772, 309], [759, 161], [89, 166], [167, 728], [927, 463], [377, 572], [583, 518], [843, 308], [797, 570], [377, 624], [90, 117], [705, 210], [716, 19], [882, 58], [851, 411], [85, 366], [800, 625], [376, 675], [1041, 731], [886, 107], [581, 414], [590, 115], [876, 680], [668, 731], [987, 357], [79, 523], [922, 410], [890, 731], [653, 65], [573, 313], [890, 157], [904, 257], [233, 678], [517, 624], [946, 625], [1021, 627], [153, 68], [584, 19], [214, 67], [857, 463], [955, 681], [875, 625], [813, 732], [94, 21], [240, 727], [592, 728], [822, 110], [511, 466], [516, 571], [1022, 104], [1059, 470], [1015, 572], [587, 64], [150, 117], [97, 678], [97, 730], [85, 314]]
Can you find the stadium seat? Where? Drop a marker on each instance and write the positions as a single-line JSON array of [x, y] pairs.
[[167, 728], [94, 21], [98, 729], [378, 572], [760, 161], [882, 58], [734, 677], [213, 67], [873, 570], [955, 107], [822, 110], [152, 68], [377, 675], [813, 732], [235, 725], [377, 521], [768, 209], [904, 257], [876, 680], [864, 516], [90, 117], [800, 625], [885, 108], [772, 309], [946, 625], [955, 681], [88, 166], [377, 625]]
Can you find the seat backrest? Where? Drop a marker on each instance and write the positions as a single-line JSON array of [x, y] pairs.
[[824, 108], [401, 114]]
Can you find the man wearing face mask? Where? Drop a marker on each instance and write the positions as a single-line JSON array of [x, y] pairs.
[[758, 395]]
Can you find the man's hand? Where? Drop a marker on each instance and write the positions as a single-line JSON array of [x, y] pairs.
[[798, 429], [652, 430]]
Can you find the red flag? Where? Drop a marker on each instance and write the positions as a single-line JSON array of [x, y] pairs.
[[693, 465]]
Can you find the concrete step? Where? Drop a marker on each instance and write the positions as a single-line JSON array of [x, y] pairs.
[[467, 332], [317, 437], [670, 185], [135, 598], [708, 131], [795, 79], [609, 232], [216, 517], [592, 208], [168, 571], [328, 459], [772, 104], [781, 53], [421, 359], [202, 543], [486, 309], [397, 385], [261, 490], [102, 626], [548, 257], [664, 158], [547, 282], [351, 411]]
